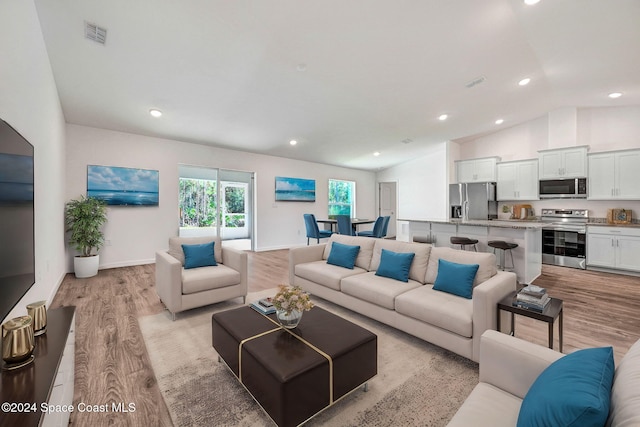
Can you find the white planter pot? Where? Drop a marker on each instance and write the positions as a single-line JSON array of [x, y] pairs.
[[86, 266]]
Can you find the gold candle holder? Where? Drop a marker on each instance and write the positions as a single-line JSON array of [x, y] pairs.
[[38, 312], [17, 342]]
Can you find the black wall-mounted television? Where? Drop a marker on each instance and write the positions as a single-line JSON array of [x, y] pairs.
[[17, 259]]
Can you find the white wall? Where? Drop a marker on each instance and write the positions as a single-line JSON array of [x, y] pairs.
[[514, 143], [602, 129], [613, 128], [29, 102], [137, 232], [422, 185]]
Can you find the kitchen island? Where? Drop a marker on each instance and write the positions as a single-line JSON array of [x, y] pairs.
[[527, 234]]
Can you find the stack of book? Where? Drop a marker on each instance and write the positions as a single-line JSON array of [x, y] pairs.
[[264, 306], [532, 297]]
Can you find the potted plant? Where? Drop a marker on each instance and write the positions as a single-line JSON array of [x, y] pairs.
[[84, 218]]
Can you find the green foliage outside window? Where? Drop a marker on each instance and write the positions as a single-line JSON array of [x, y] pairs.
[[341, 198], [234, 198], [197, 203]]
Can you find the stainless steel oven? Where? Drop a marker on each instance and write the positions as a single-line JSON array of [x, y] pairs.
[[564, 239]]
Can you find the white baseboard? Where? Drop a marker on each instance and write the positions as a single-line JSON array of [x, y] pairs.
[[127, 263], [54, 290]]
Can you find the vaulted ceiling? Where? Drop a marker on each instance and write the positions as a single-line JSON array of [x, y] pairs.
[[343, 78]]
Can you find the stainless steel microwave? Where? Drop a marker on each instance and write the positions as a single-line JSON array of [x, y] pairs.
[[571, 188]]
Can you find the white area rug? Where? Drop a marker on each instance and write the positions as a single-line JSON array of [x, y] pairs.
[[417, 383]]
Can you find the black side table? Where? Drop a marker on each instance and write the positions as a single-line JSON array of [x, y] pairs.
[[551, 312]]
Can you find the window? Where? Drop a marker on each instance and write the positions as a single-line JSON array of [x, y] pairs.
[[342, 197], [234, 213], [197, 202], [214, 201]]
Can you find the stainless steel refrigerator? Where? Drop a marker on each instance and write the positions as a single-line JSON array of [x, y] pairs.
[[476, 199]]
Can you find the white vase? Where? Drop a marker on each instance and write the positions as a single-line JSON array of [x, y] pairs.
[[86, 266]]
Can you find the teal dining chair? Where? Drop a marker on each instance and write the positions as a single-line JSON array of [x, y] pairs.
[[344, 225], [377, 229], [313, 232]]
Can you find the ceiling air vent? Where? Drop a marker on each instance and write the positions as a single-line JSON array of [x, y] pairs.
[[475, 82], [95, 33]]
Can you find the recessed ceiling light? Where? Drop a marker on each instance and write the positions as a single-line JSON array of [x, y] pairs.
[[443, 117], [615, 95], [524, 82], [499, 121], [531, 2], [155, 113], [377, 153], [293, 142]]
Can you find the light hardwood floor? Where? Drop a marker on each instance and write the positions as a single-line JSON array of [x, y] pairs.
[[112, 364]]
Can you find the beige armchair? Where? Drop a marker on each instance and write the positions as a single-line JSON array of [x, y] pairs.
[[182, 289]]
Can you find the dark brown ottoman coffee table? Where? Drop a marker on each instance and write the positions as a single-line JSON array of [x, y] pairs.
[[294, 374]]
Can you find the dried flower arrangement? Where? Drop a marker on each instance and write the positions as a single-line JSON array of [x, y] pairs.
[[290, 298]]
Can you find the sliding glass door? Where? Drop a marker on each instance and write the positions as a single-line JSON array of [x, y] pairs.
[[217, 202], [235, 203]]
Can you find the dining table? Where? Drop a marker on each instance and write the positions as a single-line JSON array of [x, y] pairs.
[[355, 222]]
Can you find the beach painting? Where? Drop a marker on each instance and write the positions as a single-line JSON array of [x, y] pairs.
[[295, 189], [123, 186]]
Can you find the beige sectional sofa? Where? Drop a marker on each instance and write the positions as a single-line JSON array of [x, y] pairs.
[[444, 319], [508, 368]]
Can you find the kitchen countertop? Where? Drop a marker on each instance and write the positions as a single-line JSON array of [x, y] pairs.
[[606, 224], [513, 223], [501, 223]]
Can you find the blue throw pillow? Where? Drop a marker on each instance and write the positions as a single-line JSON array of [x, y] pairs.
[[395, 265], [573, 391], [343, 255], [456, 279], [199, 255]]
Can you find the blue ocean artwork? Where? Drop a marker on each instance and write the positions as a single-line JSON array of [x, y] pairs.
[[123, 186], [295, 189]]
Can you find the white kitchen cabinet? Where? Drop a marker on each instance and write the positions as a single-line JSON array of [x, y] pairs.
[[614, 175], [613, 247], [477, 170], [563, 163], [517, 180], [479, 233]]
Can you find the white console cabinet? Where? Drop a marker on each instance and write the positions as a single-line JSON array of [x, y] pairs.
[[45, 382], [62, 391]]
